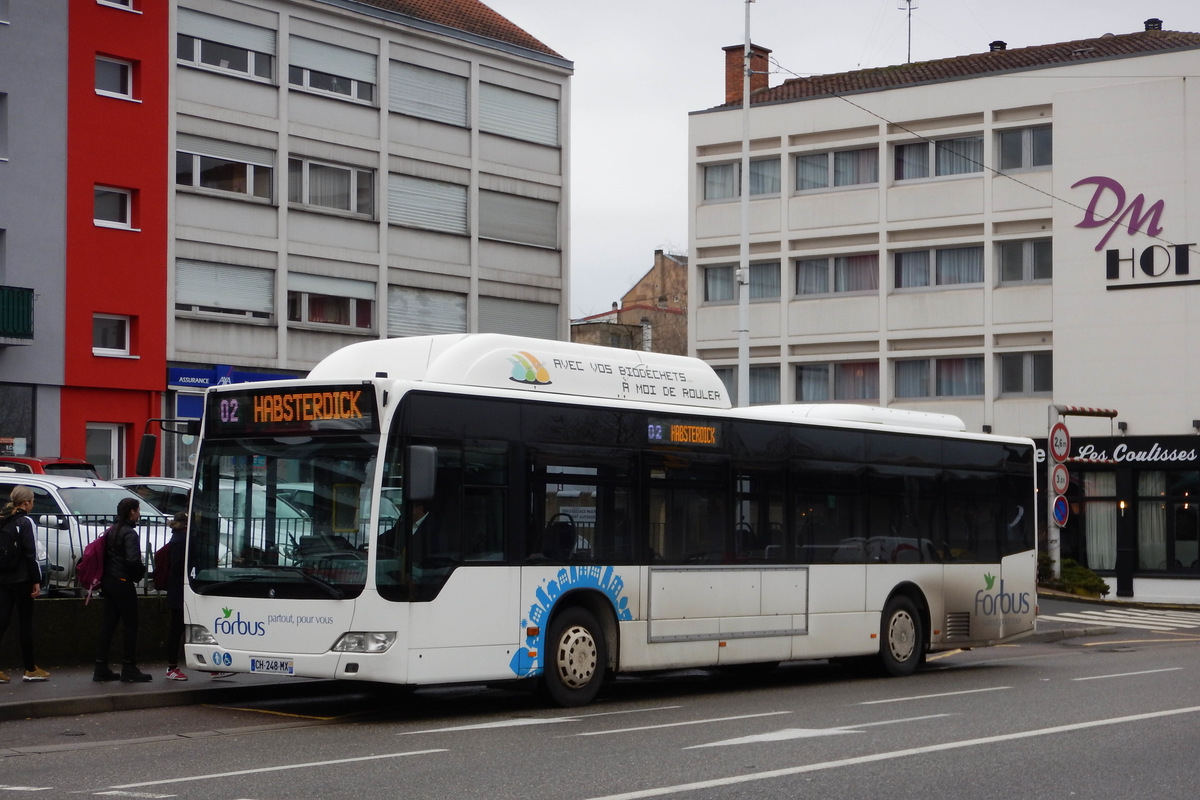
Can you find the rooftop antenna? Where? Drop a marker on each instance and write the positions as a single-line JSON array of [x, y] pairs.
[[908, 5]]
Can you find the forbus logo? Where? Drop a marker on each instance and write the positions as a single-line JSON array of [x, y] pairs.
[[989, 601], [231, 625]]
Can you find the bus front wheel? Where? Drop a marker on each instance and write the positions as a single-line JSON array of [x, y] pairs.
[[576, 658], [902, 637]]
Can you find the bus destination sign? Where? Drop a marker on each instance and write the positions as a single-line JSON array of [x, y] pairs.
[[684, 432], [287, 410]]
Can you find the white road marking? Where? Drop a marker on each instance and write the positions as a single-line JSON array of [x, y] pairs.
[[932, 696], [1127, 674], [523, 721], [735, 780], [304, 765], [683, 724], [809, 733]]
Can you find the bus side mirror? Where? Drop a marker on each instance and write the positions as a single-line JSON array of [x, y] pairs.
[[145, 458], [420, 478]]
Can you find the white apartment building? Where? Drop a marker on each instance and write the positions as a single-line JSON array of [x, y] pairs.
[[350, 169], [986, 236]]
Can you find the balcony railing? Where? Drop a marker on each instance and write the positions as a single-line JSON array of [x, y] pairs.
[[16, 314]]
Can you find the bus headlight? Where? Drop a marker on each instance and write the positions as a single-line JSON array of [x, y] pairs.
[[365, 642], [197, 634]]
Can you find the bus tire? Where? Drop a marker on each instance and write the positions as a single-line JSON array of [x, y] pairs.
[[576, 658], [902, 638]]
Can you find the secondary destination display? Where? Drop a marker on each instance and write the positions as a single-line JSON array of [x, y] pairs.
[[688, 432], [290, 410]]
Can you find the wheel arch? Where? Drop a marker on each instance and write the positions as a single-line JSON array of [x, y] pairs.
[[602, 609]]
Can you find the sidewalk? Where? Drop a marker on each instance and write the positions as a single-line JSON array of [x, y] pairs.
[[72, 691]]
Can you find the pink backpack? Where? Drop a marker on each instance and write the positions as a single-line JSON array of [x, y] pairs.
[[90, 568]]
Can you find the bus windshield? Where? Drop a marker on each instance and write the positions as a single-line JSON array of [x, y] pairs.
[[284, 516]]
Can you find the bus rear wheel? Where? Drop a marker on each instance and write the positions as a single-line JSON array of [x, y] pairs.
[[902, 637], [576, 658]]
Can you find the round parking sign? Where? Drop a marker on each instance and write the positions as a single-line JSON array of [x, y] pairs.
[[1061, 511], [1060, 442]]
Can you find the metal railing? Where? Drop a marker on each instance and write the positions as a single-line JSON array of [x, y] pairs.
[[63, 538], [16, 312]]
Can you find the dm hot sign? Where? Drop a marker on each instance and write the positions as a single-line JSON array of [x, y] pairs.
[[1112, 210]]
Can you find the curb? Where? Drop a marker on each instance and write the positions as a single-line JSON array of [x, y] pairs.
[[137, 700], [1058, 634]]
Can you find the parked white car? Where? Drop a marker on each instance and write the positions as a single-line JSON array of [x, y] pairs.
[[70, 512]]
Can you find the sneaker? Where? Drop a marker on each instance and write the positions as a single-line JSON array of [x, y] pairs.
[[176, 674], [222, 674], [3, 678], [36, 674]]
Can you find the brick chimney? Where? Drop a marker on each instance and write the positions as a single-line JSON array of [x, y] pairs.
[[734, 59]]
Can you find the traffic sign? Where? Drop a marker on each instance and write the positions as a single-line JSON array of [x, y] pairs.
[[1060, 442], [1060, 479], [1061, 511]]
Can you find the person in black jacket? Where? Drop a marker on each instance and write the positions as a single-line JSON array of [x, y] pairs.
[[123, 568], [20, 583], [176, 550]]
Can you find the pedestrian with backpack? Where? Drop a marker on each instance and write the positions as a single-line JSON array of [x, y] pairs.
[[20, 576], [123, 569]]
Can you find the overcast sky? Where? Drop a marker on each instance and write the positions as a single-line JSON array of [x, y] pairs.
[[642, 65]]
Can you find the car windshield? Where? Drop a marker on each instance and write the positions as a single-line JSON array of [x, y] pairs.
[[282, 517], [101, 501]]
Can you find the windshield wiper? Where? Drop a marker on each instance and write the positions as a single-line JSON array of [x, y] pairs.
[[325, 586]]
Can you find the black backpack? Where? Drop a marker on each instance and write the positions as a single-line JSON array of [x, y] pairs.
[[11, 557]]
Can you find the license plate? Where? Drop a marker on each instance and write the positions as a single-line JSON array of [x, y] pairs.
[[273, 666]]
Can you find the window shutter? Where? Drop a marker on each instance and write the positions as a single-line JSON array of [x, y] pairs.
[[510, 218], [233, 151], [417, 312], [226, 31], [518, 317], [427, 93], [422, 203], [518, 114], [333, 60], [334, 287], [200, 283]]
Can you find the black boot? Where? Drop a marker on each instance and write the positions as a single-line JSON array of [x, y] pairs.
[[103, 673], [131, 674]]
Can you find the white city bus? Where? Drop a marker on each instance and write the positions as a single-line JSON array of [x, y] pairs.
[[483, 507]]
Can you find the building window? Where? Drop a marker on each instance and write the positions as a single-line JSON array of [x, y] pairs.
[[417, 312], [837, 168], [324, 309], [848, 381], [331, 186], [230, 290], [718, 284], [724, 181], [430, 94], [423, 203], [764, 385], [952, 266], [125, 4], [3, 125], [1168, 521], [114, 78], [523, 220], [224, 167], [110, 335], [957, 156], [113, 208], [1026, 148], [223, 44], [940, 377], [837, 274], [518, 115], [329, 69], [764, 281], [728, 376], [1029, 261], [104, 447], [1025, 374]]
